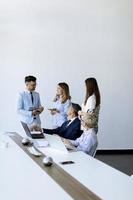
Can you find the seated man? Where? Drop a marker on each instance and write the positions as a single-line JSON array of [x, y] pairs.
[[71, 128], [87, 142]]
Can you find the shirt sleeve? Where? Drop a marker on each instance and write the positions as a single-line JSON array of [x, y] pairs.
[[76, 142], [91, 103], [86, 145], [39, 101], [20, 109], [65, 106]]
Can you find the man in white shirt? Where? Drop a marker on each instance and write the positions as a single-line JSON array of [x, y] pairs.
[[28, 103]]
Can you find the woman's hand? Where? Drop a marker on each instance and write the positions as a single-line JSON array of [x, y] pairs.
[[80, 113], [66, 141], [53, 111]]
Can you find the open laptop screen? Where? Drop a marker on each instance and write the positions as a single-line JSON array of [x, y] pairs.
[[33, 135]]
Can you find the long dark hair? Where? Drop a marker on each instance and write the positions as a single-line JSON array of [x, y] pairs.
[[92, 88]]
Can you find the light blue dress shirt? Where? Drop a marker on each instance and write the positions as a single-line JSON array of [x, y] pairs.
[[24, 103], [59, 118], [87, 142]]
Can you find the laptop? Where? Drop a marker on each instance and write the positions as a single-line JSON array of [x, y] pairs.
[[34, 135], [56, 143]]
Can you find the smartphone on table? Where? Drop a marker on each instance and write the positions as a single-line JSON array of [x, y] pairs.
[[66, 162]]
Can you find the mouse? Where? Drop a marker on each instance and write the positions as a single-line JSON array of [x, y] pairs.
[[47, 161], [26, 141]]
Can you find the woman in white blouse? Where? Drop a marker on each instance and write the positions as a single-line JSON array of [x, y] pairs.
[[61, 103], [92, 99], [87, 142]]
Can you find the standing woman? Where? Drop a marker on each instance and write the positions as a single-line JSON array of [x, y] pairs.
[[92, 100], [61, 103]]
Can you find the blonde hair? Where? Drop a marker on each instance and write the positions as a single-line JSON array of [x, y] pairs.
[[89, 119], [66, 93]]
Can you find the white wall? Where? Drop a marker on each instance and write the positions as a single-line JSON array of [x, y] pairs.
[[59, 40]]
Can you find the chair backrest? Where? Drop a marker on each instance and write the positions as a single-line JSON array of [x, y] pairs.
[[95, 150]]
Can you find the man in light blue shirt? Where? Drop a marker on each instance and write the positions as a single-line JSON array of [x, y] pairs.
[[28, 104]]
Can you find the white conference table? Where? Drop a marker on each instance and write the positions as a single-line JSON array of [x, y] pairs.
[[103, 180], [22, 179]]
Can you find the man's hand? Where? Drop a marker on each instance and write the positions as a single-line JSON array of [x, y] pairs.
[[36, 127], [37, 111], [40, 110]]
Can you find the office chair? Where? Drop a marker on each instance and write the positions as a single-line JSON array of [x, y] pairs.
[[95, 150]]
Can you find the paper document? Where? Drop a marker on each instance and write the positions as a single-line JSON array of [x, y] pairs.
[[41, 143]]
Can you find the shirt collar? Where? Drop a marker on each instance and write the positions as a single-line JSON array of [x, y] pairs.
[[29, 91], [88, 131], [71, 120]]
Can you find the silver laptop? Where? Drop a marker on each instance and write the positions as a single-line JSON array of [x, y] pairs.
[[33, 135]]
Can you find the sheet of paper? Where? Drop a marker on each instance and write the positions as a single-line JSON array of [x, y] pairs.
[[41, 143]]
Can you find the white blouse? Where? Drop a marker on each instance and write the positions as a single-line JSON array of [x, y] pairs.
[[90, 104]]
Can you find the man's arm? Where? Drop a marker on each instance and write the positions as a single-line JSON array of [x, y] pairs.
[[20, 108], [51, 131], [40, 108]]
